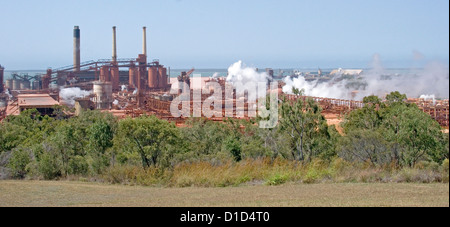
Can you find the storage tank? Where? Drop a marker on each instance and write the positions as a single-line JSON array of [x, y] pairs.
[[16, 85], [132, 80], [9, 83], [115, 78], [35, 85], [153, 77], [25, 85], [162, 77], [105, 73], [103, 94]]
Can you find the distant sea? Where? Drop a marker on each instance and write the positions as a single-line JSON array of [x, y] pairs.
[[224, 72]]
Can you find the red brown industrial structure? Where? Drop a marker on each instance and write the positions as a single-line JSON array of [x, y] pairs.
[[148, 84], [2, 70]]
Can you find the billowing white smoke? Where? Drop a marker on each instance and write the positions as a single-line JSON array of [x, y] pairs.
[[68, 95], [239, 72], [329, 90], [239, 75], [433, 79], [429, 97]]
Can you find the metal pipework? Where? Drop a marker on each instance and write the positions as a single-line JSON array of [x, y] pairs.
[[76, 49], [144, 41], [114, 48]]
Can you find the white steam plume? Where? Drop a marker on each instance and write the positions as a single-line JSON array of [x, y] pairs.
[[68, 95], [432, 79], [239, 75], [330, 90], [239, 72], [429, 97]]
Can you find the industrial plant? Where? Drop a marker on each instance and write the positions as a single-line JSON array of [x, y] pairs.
[[130, 87], [131, 80]]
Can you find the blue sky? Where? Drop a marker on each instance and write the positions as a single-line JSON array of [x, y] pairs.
[[215, 34]]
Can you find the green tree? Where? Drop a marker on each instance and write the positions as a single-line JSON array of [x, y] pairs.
[[372, 99], [365, 145], [415, 131], [368, 117], [155, 140], [78, 165], [18, 162], [395, 98], [100, 136], [50, 165], [11, 136], [306, 126], [412, 135], [233, 134], [233, 145], [24, 129], [204, 138]]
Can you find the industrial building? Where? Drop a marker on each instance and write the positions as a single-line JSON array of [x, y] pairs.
[[142, 80], [135, 86], [132, 72], [43, 103]]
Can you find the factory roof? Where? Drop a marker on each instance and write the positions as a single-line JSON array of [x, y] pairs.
[[36, 101]]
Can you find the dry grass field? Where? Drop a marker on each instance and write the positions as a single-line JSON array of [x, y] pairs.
[[66, 193]]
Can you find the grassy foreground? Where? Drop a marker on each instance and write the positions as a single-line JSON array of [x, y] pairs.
[[66, 193]]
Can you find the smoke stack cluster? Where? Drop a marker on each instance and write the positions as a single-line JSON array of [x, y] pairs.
[[76, 49]]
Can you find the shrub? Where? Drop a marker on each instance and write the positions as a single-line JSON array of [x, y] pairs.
[[277, 179], [412, 175], [427, 165], [78, 165], [338, 165], [317, 170], [234, 147], [313, 175], [49, 166], [18, 162], [97, 163], [445, 166]]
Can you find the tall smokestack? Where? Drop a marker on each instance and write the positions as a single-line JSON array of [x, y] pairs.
[[144, 42], [76, 49], [114, 48]]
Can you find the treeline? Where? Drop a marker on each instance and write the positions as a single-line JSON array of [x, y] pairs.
[[390, 136]]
